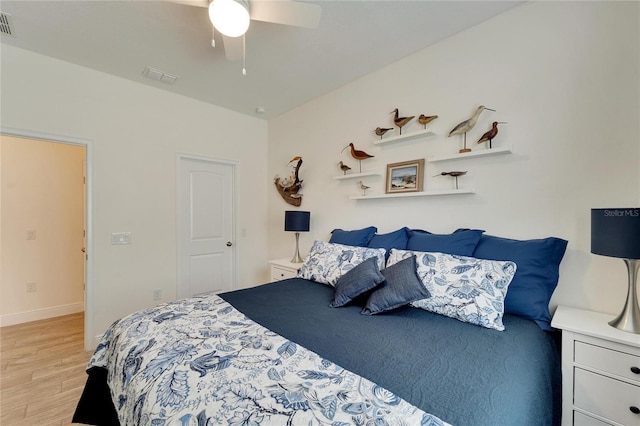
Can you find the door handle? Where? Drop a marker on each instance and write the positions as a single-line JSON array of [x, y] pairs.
[[229, 243]]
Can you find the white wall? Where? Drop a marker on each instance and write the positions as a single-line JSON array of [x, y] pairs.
[[564, 75], [42, 191], [136, 132]]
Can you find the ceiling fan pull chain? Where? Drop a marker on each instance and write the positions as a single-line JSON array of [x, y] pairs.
[[244, 55]]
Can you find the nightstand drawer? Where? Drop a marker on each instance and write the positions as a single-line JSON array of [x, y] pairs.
[[278, 274], [580, 419], [605, 397], [608, 361]]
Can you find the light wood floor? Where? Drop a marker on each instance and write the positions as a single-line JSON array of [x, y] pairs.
[[42, 371]]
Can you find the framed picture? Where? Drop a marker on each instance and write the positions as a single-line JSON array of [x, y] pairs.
[[407, 176]]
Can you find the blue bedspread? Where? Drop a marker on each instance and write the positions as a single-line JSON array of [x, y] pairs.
[[461, 373]]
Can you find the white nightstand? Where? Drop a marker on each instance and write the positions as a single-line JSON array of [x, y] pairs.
[[600, 370], [283, 268]]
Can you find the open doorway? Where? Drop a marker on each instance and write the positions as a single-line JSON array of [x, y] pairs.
[[44, 228]]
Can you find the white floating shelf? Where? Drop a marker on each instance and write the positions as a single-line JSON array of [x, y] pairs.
[[405, 137], [356, 175], [414, 194], [478, 153]]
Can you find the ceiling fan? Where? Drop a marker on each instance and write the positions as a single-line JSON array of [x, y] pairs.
[[231, 18]]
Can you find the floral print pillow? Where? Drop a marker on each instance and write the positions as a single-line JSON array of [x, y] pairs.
[[467, 289], [327, 262]]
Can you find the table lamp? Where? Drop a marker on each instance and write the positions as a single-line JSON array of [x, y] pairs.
[[616, 233], [296, 221]]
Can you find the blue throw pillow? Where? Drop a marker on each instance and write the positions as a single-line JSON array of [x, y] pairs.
[[358, 237], [393, 240], [356, 282], [536, 277], [460, 242], [400, 287]]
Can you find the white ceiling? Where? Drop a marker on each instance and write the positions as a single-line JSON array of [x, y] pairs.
[[286, 66]]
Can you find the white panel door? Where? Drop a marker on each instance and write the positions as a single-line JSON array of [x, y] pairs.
[[205, 227]]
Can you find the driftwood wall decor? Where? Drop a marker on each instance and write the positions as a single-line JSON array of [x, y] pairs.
[[288, 187]]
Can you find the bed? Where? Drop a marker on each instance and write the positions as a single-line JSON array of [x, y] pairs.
[[304, 351]]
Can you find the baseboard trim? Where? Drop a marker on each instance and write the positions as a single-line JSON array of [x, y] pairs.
[[40, 314]]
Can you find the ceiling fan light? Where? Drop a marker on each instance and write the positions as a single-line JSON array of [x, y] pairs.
[[230, 17]]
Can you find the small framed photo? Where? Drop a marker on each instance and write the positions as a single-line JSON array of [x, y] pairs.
[[407, 176]]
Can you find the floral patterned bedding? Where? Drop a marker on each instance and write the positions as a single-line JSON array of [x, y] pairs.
[[201, 362]]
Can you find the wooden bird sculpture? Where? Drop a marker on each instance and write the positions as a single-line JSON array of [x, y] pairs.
[[344, 167], [357, 154], [382, 130], [488, 136], [363, 187], [466, 125], [288, 188], [454, 174], [400, 121], [296, 169], [426, 119]]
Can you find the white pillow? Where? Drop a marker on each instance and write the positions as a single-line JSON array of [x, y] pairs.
[[327, 262], [468, 289]]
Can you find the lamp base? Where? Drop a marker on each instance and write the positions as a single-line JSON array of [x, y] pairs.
[[296, 256], [629, 318]]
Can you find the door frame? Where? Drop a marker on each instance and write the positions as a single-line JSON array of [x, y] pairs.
[[89, 334], [234, 213]]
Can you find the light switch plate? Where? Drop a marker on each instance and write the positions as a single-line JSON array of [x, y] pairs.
[[120, 238]]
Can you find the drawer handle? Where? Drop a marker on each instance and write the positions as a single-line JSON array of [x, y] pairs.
[[634, 410], [635, 370]]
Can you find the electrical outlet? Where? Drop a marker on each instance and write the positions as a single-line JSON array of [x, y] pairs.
[[31, 287], [118, 238], [157, 294]]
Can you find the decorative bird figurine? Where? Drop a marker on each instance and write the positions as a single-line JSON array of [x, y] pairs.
[[465, 126], [363, 187], [382, 130], [454, 174], [426, 119], [400, 121], [488, 136], [357, 154], [344, 167], [296, 168]]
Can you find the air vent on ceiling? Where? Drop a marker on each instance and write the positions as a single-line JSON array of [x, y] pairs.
[[162, 76], [6, 24]]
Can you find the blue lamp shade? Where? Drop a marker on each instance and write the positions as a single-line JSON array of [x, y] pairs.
[[296, 221], [616, 232]]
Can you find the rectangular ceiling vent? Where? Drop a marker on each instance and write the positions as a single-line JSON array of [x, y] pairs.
[[6, 24], [162, 76]]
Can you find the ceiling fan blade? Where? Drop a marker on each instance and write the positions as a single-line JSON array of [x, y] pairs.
[[198, 3], [232, 48], [286, 12]]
